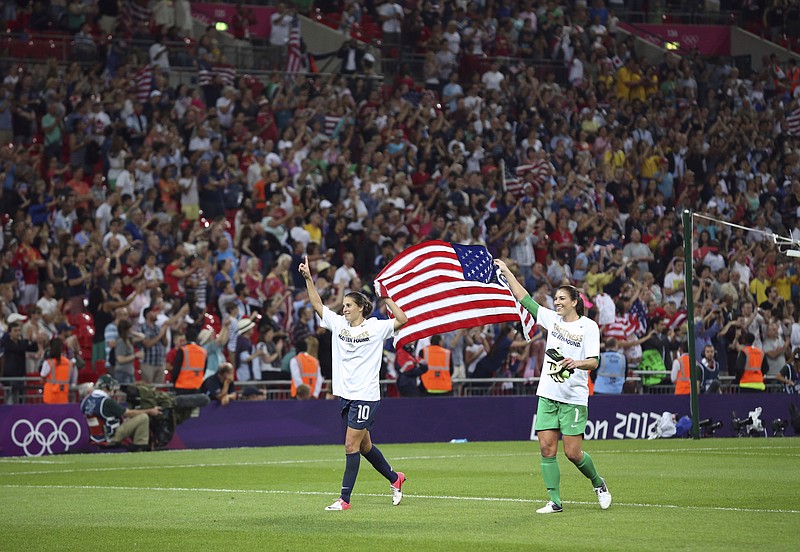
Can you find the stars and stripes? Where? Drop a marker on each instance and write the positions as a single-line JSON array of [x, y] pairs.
[[294, 58], [793, 123], [443, 286], [527, 179], [638, 315], [143, 82], [207, 72]]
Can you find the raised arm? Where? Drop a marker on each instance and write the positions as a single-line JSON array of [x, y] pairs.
[[313, 294], [516, 288], [400, 317]]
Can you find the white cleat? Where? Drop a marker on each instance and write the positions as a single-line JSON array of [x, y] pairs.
[[550, 508], [603, 496]]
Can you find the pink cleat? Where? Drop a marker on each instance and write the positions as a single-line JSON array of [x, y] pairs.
[[339, 505], [397, 488]]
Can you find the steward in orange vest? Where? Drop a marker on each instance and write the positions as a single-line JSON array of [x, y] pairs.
[[437, 379], [684, 379], [189, 366], [56, 373], [750, 366], [305, 369]]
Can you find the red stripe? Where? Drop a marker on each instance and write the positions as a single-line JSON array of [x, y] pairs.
[[457, 325]]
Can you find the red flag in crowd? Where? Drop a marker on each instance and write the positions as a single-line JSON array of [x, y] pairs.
[[443, 286], [294, 59]]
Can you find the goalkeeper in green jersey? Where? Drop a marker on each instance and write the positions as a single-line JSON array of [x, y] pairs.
[[572, 351]]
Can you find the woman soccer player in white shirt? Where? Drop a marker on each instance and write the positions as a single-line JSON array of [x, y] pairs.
[[572, 351], [357, 353]]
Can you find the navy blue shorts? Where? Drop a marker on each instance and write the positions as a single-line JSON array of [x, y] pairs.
[[359, 414]]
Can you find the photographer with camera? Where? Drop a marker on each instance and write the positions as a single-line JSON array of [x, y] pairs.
[[110, 423], [789, 375]]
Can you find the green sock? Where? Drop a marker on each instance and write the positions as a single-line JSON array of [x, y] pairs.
[[587, 468], [552, 478]]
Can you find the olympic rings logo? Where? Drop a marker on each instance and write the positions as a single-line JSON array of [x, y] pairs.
[[39, 439]]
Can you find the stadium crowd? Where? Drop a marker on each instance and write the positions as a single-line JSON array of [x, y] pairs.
[[137, 213]]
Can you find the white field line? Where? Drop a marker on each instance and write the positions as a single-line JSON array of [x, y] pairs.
[[412, 496], [396, 458]]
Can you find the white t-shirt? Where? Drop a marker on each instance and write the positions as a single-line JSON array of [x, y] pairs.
[[357, 355], [578, 340], [390, 9], [279, 31], [674, 281], [225, 117]]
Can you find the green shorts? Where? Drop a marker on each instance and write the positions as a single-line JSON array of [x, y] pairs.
[[570, 419]]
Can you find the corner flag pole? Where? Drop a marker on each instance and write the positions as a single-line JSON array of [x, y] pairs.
[[687, 273]]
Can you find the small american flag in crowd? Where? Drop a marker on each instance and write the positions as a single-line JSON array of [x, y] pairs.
[[207, 72], [143, 82], [529, 178], [443, 286], [294, 59], [793, 122], [638, 314]]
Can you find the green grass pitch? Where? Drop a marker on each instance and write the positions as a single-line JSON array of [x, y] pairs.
[[711, 494]]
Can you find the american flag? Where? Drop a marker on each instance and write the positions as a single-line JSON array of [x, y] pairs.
[[638, 314], [793, 122], [134, 16], [511, 182], [294, 59], [677, 320], [143, 82], [527, 179], [443, 286], [207, 72]]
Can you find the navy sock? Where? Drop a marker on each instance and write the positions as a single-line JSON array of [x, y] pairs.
[[375, 457], [350, 474]]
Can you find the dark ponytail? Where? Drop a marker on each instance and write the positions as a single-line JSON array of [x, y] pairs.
[[362, 302], [575, 295]]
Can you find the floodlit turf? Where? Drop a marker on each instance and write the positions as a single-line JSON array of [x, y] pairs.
[[712, 494]]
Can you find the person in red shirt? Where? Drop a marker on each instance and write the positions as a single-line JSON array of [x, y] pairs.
[[563, 240], [131, 270], [241, 22], [174, 275], [28, 260]]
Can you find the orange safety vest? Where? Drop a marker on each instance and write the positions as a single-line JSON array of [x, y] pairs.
[[194, 365], [437, 378], [794, 78], [752, 377], [56, 386], [684, 384], [309, 368]]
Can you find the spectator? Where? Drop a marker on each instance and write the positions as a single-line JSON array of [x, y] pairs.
[[243, 353], [125, 354], [409, 369]]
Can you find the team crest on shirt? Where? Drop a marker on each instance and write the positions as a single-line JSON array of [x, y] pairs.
[[362, 337], [569, 338]]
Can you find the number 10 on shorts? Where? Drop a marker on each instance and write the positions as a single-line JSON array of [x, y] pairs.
[[363, 412]]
